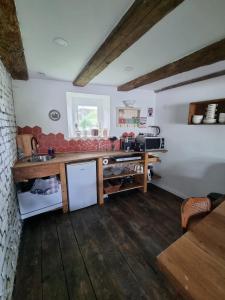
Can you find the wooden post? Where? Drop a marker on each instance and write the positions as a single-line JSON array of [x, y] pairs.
[[100, 181], [64, 187], [145, 180]]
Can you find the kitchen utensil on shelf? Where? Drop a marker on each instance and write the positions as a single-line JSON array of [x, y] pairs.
[[222, 118], [197, 119]]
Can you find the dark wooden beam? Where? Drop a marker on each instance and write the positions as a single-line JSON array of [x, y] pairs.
[[11, 46], [141, 16], [205, 56], [205, 77]]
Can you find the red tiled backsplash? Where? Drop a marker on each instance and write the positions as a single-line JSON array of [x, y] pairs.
[[60, 144]]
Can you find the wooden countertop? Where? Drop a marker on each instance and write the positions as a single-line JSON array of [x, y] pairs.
[[195, 263], [72, 157]]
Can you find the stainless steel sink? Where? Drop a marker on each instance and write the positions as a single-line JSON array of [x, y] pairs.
[[40, 158]]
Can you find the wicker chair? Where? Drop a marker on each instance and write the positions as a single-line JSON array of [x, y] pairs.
[[192, 210]]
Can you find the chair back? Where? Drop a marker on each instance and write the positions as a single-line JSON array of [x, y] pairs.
[[193, 206]]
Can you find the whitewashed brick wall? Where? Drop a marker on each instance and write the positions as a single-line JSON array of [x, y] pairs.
[[10, 225]]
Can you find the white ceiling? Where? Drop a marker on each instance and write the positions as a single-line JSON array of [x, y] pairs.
[[86, 23]]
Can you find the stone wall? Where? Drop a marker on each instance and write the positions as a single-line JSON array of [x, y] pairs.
[[10, 225]]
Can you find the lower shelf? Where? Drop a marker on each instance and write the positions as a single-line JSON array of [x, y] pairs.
[[127, 187]]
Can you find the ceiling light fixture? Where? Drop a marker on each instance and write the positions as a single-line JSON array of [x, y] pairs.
[[60, 42], [41, 74], [128, 69]]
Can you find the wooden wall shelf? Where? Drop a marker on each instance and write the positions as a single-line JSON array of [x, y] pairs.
[[199, 108]]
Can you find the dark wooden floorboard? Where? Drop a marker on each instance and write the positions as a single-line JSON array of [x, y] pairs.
[[100, 252], [53, 277], [28, 280], [78, 282]]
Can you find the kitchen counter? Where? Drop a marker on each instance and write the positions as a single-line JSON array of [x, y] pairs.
[[25, 170], [72, 157]]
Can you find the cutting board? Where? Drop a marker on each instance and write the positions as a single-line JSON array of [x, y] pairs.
[[24, 143]]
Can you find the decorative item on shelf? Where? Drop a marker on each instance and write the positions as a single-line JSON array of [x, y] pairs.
[[112, 140], [129, 103], [210, 117], [197, 119], [105, 133], [54, 115], [77, 131]]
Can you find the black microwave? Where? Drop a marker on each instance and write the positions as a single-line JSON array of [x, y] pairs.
[[151, 143]]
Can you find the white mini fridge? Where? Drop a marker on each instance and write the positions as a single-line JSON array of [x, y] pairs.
[[82, 184]]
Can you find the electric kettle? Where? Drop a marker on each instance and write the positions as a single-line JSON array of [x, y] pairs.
[[153, 130]]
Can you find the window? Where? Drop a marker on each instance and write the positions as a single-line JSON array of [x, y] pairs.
[[88, 115]]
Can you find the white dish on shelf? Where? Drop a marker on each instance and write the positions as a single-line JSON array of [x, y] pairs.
[[209, 121], [197, 119]]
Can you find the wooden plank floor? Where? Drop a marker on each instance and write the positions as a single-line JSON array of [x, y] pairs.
[[99, 253]]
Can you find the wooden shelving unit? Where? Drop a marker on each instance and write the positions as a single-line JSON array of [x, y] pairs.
[[140, 179], [199, 108]]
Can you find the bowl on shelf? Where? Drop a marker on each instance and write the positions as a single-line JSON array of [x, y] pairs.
[[197, 119], [107, 172], [117, 170]]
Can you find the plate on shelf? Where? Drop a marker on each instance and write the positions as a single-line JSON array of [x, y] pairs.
[[209, 121]]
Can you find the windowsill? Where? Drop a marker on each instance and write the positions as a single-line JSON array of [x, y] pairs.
[[89, 138]]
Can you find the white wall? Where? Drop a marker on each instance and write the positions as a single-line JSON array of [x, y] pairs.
[[195, 162], [35, 97]]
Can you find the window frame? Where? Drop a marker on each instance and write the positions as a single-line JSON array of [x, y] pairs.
[[75, 99]]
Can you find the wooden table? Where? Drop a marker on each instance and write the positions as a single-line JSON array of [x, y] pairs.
[[195, 263]]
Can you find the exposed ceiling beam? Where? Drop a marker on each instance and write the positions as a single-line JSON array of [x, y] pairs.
[[205, 77], [141, 16], [205, 56], [11, 46]]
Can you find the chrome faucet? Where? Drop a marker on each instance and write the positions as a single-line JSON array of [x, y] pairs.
[[34, 149]]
